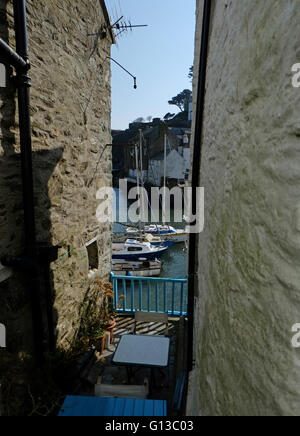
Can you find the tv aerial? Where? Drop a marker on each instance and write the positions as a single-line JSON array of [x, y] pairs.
[[121, 26], [118, 26]]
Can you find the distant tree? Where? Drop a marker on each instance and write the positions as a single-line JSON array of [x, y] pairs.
[[139, 120], [168, 116], [182, 100], [150, 118], [191, 72]]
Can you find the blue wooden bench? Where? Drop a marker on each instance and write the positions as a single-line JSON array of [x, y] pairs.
[[179, 391], [93, 406]]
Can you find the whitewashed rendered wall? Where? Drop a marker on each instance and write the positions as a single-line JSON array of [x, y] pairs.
[[249, 253]]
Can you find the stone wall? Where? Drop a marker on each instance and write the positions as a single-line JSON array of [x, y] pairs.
[[249, 254], [70, 107]]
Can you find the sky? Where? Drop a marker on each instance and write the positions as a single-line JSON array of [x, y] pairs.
[[159, 55]]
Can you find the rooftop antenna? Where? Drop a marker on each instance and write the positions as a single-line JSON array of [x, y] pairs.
[[122, 26], [119, 26]]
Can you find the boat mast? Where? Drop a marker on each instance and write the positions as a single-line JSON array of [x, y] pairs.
[[138, 186], [165, 180], [142, 178], [141, 158], [142, 199]]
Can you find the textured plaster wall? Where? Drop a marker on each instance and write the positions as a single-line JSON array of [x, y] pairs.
[[249, 254], [70, 110]]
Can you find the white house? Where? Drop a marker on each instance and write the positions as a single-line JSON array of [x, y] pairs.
[[175, 167]]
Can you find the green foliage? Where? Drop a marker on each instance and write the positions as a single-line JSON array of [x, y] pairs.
[[181, 100], [168, 116], [95, 313]]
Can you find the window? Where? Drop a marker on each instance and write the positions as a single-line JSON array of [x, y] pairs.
[[92, 249], [135, 249]]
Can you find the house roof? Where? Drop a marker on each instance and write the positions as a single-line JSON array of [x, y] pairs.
[[124, 137], [177, 130], [180, 130]]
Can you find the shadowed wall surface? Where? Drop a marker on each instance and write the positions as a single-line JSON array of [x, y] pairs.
[[70, 110]]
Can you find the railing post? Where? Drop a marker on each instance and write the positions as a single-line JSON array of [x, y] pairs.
[[125, 296], [181, 298], [132, 295], [141, 295], [173, 298], [124, 292], [150, 289], [116, 293]]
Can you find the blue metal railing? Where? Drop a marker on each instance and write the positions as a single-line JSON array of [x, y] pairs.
[[150, 294]]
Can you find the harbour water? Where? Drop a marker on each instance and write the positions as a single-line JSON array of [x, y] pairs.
[[174, 260]]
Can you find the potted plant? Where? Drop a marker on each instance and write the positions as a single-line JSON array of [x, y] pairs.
[[108, 313], [97, 339]]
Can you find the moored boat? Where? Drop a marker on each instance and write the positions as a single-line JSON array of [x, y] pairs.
[[153, 239], [138, 269], [167, 233], [157, 240], [133, 250]]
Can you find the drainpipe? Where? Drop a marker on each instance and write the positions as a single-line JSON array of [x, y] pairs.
[[23, 84], [196, 175], [29, 262]]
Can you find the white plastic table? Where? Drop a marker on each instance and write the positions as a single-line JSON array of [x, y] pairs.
[[143, 350]]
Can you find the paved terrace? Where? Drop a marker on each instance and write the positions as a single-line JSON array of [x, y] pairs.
[[165, 380]]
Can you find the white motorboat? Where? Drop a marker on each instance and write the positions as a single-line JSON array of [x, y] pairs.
[[137, 269], [144, 237], [133, 250], [167, 233]]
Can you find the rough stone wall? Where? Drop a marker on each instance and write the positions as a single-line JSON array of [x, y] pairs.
[[70, 109], [249, 252]]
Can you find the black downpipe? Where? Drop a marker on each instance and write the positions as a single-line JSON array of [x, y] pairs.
[[196, 174], [12, 57], [31, 250]]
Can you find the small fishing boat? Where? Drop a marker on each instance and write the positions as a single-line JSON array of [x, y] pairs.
[[167, 233], [157, 240], [154, 240], [133, 249], [137, 269]]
